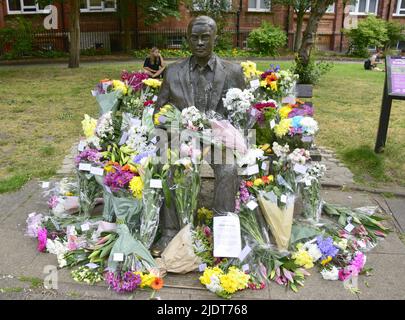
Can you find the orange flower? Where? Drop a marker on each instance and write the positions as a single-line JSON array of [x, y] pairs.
[[270, 78], [157, 284], [249, 184], [266, 179], [126, 168]]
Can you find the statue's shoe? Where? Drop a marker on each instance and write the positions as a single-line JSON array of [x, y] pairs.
[[158, 248]]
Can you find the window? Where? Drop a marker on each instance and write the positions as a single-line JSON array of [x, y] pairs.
[[259, 5], [364, 7], [331, 9], [24, 7], [400, 8], [98, 5]]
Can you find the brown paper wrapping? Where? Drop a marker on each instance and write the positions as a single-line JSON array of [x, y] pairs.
[[179, 256]]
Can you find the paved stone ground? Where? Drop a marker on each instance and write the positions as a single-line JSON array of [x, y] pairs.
[[21, 266]]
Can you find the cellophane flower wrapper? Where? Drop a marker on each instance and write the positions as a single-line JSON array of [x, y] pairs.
[[89, 191], [312, 201], [186, 189], [278, 216], [152, 202], [133, 250], [108, 209], [147, 119], [109, 101], [128, 211]]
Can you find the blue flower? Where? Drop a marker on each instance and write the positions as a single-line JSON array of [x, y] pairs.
[[326, 247], [296, 121]]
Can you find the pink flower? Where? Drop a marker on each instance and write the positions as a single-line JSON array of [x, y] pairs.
[[53, 202], [358, 262], [207, 231], [344, 274], [72, 243], [379, 233], [342, 234], [42, 236]]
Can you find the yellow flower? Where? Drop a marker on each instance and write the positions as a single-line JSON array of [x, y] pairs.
[[153, 83], [303, 258], [89, 126], [136, 186], [68, 194], [205, 214], [284, 111], [147, 279], [258, 182], [283, 127], [234, 280], [120, 86], [263, 83], [249, 69], [208, 273], [326, 261]]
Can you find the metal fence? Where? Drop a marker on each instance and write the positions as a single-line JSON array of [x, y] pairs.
[[109, 40]]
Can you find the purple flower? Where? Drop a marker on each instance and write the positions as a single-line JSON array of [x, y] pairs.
[[53, 201], [118, 179], [89, 155], [137, 159], [303, 111], [126, 283], [42, 236], [326, 247], [243, 192], [134, 79]]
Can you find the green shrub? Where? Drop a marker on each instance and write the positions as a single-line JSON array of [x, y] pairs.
[[395, 33], [371, 31], [267, 39], [311, 73], [20, 38], [224, 41]]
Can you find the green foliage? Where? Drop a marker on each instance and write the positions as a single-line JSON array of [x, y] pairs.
[[267, 39], [312, 72], [224, 41], [371, 31], [184, 53], [18, 39], [395, 33]]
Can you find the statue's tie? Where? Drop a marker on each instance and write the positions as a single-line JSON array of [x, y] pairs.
[[201, 98]]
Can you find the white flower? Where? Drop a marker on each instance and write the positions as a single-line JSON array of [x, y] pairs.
[[214, 286], [59, 249], [299, 156], [280, 151], [332, 274], [250, 157], [138, 139], [237, 100], [309, 125], [59, 210], [314, 251], [105, 125], [342, 244]]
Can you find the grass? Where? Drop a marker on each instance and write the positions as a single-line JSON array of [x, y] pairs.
[[35, 282], [41, 108]]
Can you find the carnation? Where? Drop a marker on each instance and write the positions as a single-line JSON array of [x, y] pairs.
[[332, 274]]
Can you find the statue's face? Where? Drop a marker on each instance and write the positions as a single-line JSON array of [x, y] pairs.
[[201, 40]]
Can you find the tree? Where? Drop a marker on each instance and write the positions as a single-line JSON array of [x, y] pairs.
[[217, 10], [152, 12], [300, 7], [318, 9]]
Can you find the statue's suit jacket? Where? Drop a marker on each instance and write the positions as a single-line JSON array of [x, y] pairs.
[[177, 89]]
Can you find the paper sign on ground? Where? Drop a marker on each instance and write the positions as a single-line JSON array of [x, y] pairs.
[[97, 171], [84, 166], [227, 238]]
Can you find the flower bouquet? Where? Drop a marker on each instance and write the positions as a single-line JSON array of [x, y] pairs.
[[108, 94], [311, 192], [186, 188], [126, 187], [89, 189], [155, 182], [224, 284], [238, 103]]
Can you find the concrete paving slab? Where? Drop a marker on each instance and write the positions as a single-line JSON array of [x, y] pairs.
[[315, 288], [397, 207], [387, 280]]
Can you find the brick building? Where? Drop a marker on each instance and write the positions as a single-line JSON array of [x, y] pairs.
[[101, 24]]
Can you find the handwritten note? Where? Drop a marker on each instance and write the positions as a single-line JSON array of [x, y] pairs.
[[227, 238]]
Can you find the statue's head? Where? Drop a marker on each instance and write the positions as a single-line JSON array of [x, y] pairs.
[[201, 36]]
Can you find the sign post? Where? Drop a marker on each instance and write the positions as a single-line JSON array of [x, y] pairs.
[[394, 88]]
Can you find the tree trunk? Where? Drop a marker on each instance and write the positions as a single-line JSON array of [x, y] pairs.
[[74, 29], [126, 24], [298, 33], [308, 40]]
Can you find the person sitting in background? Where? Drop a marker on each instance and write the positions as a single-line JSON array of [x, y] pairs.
[[375, 60], [154, 64]]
